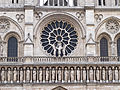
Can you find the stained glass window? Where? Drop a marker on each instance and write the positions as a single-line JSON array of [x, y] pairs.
[[59, 38], [103, 47], [118, 47], [12, 47]]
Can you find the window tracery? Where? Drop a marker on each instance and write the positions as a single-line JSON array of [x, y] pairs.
[[4, 25], [59, 38], [112, 26]]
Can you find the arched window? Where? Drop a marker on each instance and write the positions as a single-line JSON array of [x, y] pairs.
[[16, 1], [118, 47], [12, 1], [103, 47], [99, 2], [104, 2], [116, 2], [12, 47]]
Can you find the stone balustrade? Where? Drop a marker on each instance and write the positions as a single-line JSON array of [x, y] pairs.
[[76, 60]]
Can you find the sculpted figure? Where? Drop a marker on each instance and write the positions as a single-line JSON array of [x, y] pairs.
[[53, 74], [116, 74], [27, 75], [59, 48], [47, 74], [72, 75], [40, 75], [34, 74], [21, 75], [91, 74], [15, 75], [78, 74], [59, 74], [1, 49], [9, 75], [66, 74], [84, 74], [97, 74], [110, 74], [3, 75], [103, 74]]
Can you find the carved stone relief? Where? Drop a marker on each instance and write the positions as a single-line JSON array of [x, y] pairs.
[[80, 15], [20, 17], [4, 25], [112, 26]]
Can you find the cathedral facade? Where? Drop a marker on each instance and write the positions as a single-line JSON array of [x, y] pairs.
[[59, 44]]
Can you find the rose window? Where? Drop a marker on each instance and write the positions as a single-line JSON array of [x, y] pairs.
[[59, 38], [112, 26]]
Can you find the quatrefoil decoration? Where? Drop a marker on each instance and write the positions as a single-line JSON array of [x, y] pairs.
[[20, 17]]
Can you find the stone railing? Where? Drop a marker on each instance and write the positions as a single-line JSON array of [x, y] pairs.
[[55, 60], [49, 70], [59, 3], [11, 5]]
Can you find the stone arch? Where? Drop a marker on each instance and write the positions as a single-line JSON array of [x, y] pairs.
[[52, 17], [16, 24], [12, 34], [59, 88], [109, 39], [104, 21], [70, 17]]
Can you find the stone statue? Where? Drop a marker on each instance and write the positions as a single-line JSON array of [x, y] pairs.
[[66, 73], [3, 75], [110, 74], [34, 74], [47, 74], [116, 74], [103, 74], [84, 74], [15, 75], [59, 48], [59, 74], [9, 75], [21, 75], [40, 74], [27, 75], [53, 74], [97, 74], [91, 74], [1, 49], [72, 75], [78, 74]]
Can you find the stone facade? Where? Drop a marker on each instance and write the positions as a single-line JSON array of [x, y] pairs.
[[59, 44]]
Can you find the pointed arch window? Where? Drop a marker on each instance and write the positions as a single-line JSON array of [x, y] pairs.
[[118, 47], [12, 47], [103, 47]]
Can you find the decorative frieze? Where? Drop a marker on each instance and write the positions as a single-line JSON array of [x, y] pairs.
[[62, 74]]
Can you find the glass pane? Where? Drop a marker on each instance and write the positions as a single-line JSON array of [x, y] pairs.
[[118, 47], [12, 47], [103, 47]]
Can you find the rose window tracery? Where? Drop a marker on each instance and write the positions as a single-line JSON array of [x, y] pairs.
[[59, 38], [112, 26], [4, 24]]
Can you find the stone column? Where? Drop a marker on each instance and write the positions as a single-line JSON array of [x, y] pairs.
[[28, 44], [89, 6]]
